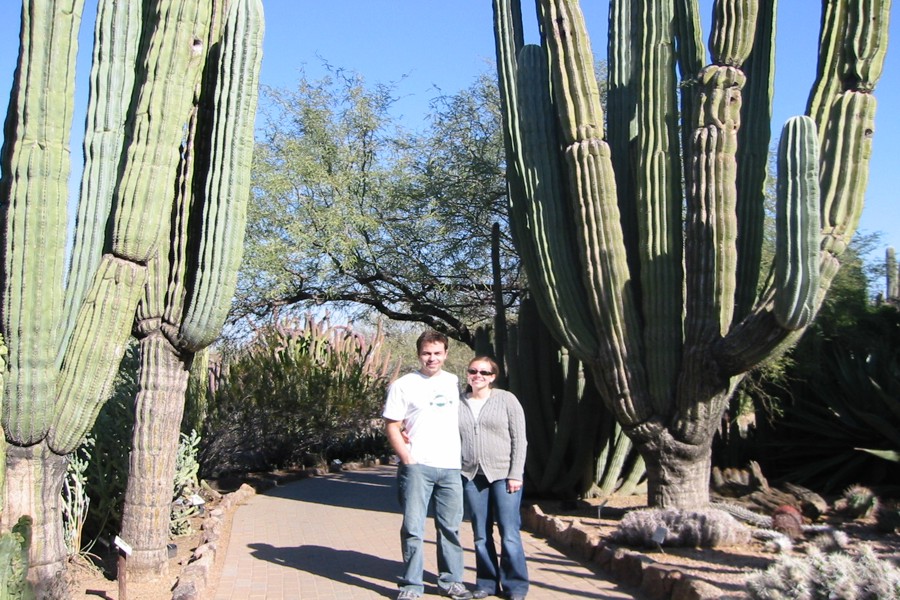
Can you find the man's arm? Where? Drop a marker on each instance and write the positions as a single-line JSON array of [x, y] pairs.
[[394, 432]]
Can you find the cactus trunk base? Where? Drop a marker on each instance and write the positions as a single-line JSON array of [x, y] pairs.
[[148, 498], [675, 478], [34, 479]]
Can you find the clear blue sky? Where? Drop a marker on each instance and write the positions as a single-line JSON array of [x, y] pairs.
[[430, 45]]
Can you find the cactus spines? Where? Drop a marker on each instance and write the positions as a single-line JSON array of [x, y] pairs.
[[858, 501], [797, 224], [670, 347]]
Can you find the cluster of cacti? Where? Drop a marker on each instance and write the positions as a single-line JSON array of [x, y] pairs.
[[707, 528], [642, 246], [860, 575], [577, 448], [149, 195], [857, 501]]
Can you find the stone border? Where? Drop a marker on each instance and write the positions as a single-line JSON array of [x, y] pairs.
[[632, 569]]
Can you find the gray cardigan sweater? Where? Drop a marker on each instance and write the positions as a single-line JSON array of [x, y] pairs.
[[496, 443]]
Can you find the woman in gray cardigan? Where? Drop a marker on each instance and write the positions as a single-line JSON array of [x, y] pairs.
[[492, 429]]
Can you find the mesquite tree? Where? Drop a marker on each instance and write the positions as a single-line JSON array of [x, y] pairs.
[[65, 344], [642, 250]]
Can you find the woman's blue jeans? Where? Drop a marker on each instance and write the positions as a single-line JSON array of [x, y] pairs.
[[418, 485], [489, 503]]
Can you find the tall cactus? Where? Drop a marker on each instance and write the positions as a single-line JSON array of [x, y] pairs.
[[65, 345], [656, 291], [191, 281]]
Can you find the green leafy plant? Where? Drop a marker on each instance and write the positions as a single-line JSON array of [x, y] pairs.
[[75, 499], [300, 391], [186, 485]]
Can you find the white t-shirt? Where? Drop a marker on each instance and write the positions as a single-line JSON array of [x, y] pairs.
[[429, 410]]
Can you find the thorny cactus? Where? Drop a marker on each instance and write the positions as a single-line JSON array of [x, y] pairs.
[[857, 501], [65, 345], [707, 528], [860, 575], [664, 311]]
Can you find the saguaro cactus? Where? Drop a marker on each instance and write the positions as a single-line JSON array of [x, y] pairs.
[[64, 349], [656, 291], [192, 280]]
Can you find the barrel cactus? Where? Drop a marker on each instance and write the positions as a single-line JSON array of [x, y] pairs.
[[65, 344], [641, 229]]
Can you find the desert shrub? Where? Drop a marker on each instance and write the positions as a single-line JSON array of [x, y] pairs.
[[683, 528], [185, 485], [299, 392], [75, 499], [102, 463], [106, 451], [860, 576]]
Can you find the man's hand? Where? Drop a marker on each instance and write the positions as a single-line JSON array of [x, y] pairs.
[[399, 441], [513, 486]]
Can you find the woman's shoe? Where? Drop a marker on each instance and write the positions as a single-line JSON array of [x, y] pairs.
[[481, 594]]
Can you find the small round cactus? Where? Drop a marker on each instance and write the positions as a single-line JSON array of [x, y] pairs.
[[857, 502]]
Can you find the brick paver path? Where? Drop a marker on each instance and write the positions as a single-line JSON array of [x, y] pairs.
[[337, 537]]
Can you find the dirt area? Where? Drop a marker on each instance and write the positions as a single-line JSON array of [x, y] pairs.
[[90, 582], [725, 568]]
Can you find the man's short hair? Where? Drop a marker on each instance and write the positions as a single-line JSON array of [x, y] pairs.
[[431, 336]]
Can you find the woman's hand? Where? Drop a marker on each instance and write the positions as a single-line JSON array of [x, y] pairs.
[[513, 486]]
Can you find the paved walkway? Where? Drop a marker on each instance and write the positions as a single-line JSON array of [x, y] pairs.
[[337, 536]]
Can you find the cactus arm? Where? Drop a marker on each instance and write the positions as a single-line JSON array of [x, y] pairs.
[[753, 158], [228, 183], [621, 126], [98, 342], [153, 131], [35, 171], [827, 84], [559, 290], [845, 124], [536, 185], [797, 224], [116, 37], [591, 185], [734, 31], [846, 132], [657, 201], [174, 58], [711, 231]]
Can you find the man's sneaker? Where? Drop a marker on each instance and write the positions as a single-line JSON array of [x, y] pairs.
[[479, 593], [407, 595], [456, 591]]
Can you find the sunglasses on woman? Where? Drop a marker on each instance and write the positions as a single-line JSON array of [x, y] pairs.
[[477, 372]]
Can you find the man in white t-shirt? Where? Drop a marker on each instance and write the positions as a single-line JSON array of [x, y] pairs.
[[421, 416]]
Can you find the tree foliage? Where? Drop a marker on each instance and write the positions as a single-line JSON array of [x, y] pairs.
[[351, 209]]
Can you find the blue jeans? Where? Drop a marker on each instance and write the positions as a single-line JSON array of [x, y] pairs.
[[489, 503], [419, 485]]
